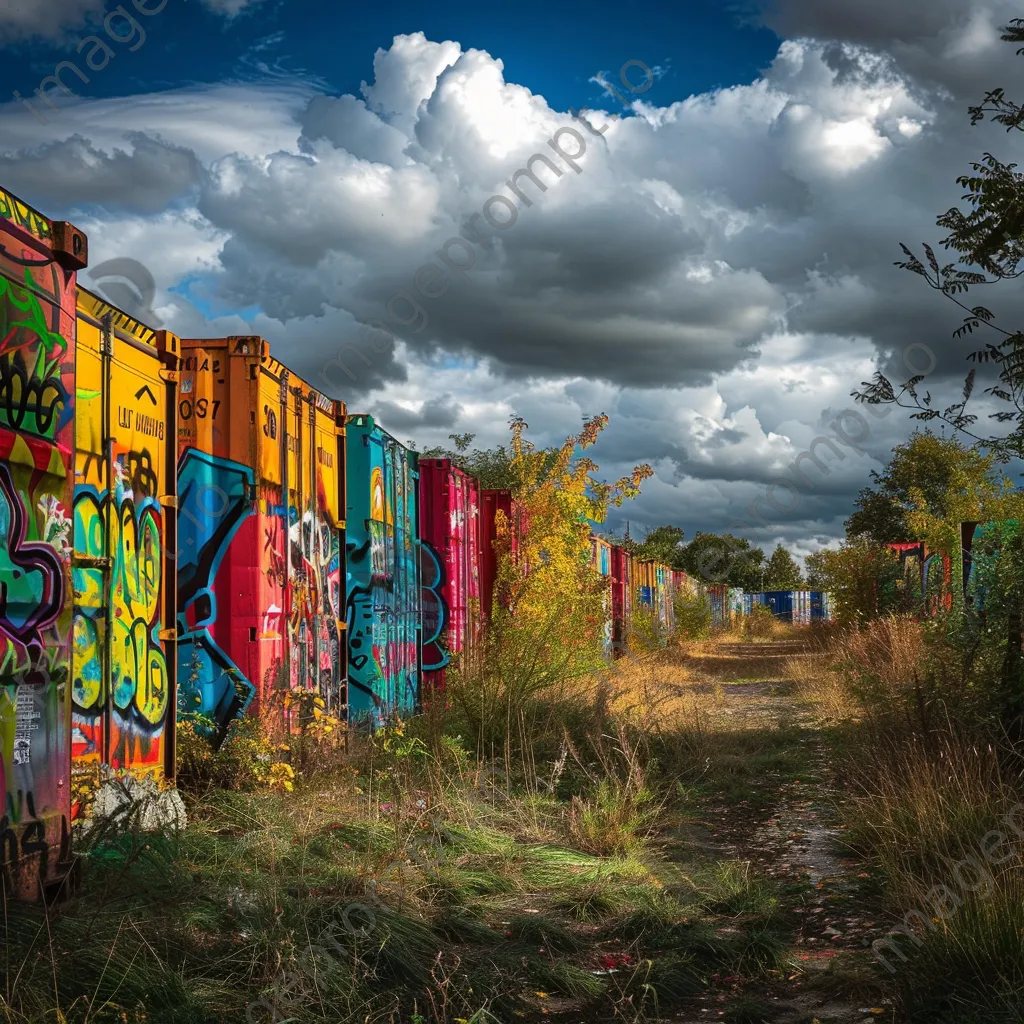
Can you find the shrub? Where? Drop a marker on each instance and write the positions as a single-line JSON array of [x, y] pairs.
[[243, 761], [693, 616], [760, 623]]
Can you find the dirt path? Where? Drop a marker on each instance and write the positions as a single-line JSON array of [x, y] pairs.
[[776, 813]]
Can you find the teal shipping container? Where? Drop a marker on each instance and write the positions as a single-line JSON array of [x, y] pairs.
[[383, 596]]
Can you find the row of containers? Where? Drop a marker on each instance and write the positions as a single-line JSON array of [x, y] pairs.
[[933, 581], [187, 528]]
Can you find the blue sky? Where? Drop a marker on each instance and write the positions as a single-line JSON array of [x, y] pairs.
[[552, 50]]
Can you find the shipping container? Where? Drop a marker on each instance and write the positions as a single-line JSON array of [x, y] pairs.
[[781, 604], [734, 599], [718, 596], [384, 602], [801, 607], [622, 598], [125, 673], [39, 261], [261, 525], [601, 562], [496, 505], [450, 551]]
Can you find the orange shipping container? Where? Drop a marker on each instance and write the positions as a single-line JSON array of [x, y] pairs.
[[262, 534]]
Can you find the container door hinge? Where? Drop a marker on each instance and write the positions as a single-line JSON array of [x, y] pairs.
[[168, 634], [168, 500], [171, 376]]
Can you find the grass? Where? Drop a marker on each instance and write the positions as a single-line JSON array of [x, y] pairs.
[[927, 793], [403, 885]]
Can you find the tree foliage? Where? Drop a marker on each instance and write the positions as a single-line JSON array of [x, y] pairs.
[[663, 544], [723, 558], [927, 474], [863, 577], [989, 240], [493, 467], [549, 615], [781, 572], [815, 570]]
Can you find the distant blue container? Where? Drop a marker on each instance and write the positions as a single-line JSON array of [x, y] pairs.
[[781, 604]]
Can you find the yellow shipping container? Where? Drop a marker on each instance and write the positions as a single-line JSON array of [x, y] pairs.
[[123, 694]]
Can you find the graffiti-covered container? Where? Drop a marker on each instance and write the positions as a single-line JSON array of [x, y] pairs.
[[801, 607], [261, 523], [622, 597], [39, 261], [601, 562], [450, 551], [124, 681], [718, 596], [734, 598], [383, 593], [493, 502]]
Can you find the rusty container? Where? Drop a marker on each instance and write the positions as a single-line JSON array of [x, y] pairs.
[[39, 261], [261, 524]]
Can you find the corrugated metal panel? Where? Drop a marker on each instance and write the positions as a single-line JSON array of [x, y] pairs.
[[734, 598], [124, 682], [450, 552], [38, 331], [718, 597], [261, 521], [781, 603], [492, 502], [622, 597], [601, 562], [384, 599], [801, 607]]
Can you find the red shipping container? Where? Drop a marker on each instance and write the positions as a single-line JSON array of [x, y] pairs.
[[450, 539]]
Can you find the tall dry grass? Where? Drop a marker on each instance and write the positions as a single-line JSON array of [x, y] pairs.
[[927, 794]]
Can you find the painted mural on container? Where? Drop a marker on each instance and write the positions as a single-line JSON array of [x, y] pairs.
[[269, 451], [213, 503], [384, 590], [37, 353], [450, 556], [124, 678]]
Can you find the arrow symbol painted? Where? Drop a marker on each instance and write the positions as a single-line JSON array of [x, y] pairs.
[[144, 390]]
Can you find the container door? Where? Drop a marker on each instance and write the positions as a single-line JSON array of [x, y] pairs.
[[125, 649]]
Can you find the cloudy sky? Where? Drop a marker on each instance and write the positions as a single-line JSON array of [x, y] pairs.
[[714, 270]]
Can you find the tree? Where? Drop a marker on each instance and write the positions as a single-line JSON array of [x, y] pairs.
[[863, 578], [815, 570], [663, 544], [989, 239], [927, 473], [782, 572], [548, 621], [723, 558], [495, 468]]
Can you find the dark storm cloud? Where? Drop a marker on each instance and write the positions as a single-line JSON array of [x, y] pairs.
[[72, 172], [442, 411]]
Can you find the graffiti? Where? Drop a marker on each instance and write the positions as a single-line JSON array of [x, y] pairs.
[[383, 610], [33, 397], [126, 527], [209, 682], [37, 352], [31, 574], [436, 655]]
